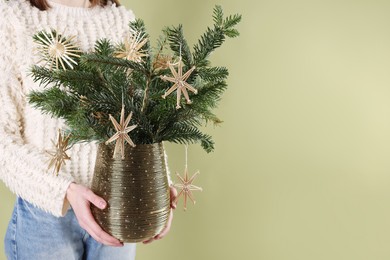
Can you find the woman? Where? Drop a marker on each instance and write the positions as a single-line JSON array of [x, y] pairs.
[[43, 226]]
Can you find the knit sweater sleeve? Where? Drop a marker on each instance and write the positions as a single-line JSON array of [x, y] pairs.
[[23, 167]]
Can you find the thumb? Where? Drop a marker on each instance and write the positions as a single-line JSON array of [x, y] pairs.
[[173, 197], [96, 200]]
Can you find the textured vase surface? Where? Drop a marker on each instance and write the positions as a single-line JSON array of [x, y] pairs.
[[136, 190]]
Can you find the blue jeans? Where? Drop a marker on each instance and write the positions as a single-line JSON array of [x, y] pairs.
[[34, 234]]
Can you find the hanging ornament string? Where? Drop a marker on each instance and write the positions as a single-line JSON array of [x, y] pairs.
[[186, 156], [186, 187], [123, 98]]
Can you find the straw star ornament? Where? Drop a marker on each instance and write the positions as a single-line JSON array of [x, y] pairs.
[[179, 79], [186, 187], [57, 50], [131, 49], [121, 135], [59, 154], [162, 62]]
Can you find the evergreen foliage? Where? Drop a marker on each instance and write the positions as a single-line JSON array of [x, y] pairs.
[[85, 95]]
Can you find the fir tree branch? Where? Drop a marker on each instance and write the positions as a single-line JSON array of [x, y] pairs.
[[179, 44], [213, 73], [183, 134], [213, 38], [106, 62], [87, 94], [104, 47], [53, 101]]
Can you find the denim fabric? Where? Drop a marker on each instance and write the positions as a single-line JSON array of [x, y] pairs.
[[34, 234]]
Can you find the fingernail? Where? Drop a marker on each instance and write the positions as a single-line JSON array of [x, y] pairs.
[[102, 204], [119, 244]]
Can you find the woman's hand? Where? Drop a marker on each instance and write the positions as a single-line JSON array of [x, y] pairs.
[[168, 226], [80, 198]]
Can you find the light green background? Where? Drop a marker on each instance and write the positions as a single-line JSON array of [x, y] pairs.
[[301, 170]]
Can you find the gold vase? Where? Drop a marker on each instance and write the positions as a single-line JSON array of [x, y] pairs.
[[136, 190]]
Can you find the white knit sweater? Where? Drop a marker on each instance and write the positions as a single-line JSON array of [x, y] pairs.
[[25, 132]]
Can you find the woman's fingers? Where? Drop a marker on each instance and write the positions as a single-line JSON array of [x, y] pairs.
[[165, 231], [98, 233], [80, 198], [102, 237], [148, 241], [83, 213], [95, 199], [173, 197]]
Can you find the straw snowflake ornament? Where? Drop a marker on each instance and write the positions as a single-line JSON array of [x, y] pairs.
[[186, 187], [56, 50], [59, 155], [121, 135], [131, 49], [179, 79]]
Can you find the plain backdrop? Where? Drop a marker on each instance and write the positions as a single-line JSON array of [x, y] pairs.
[[301, 169]]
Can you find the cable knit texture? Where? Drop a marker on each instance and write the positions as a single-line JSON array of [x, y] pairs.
[[26, 132]]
